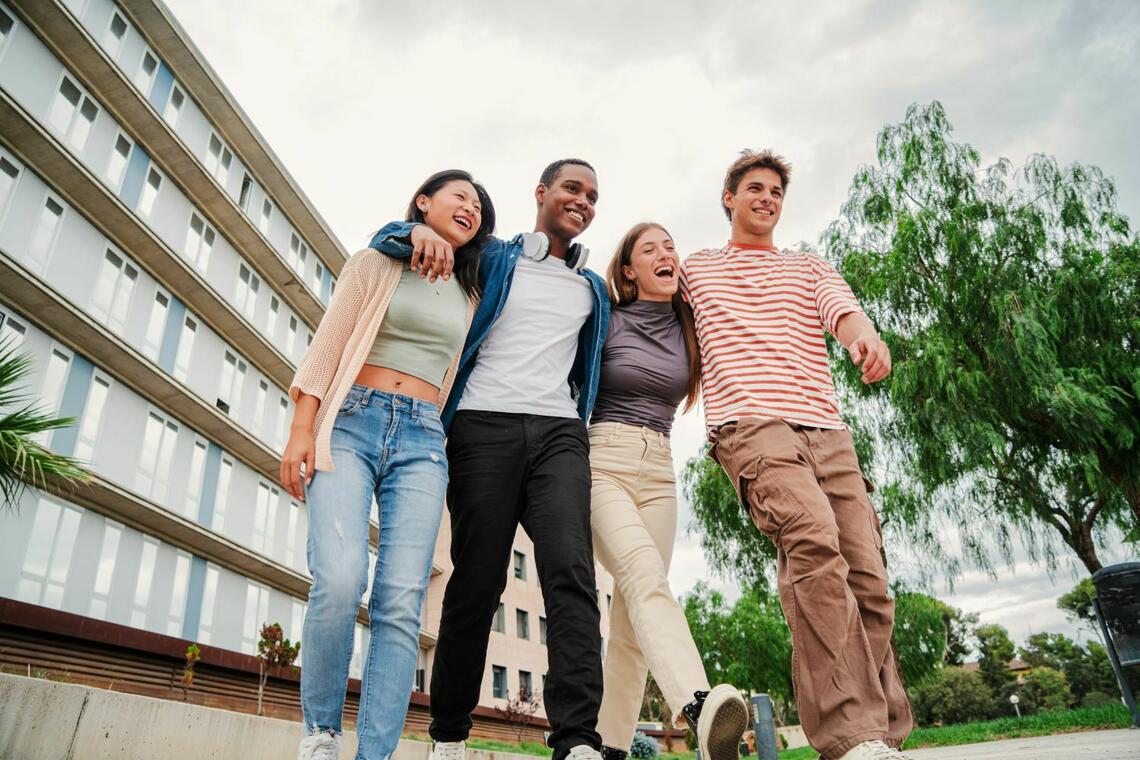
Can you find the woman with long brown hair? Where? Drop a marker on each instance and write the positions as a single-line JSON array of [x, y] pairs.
[[650, 364]]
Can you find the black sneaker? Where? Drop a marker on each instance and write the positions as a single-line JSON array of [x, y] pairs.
[[613, 753], [718, 719]]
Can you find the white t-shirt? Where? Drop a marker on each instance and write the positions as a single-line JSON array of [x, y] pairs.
[[524, 363]]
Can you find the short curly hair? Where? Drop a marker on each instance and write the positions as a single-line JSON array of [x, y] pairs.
[[749, 160], [550, 173]]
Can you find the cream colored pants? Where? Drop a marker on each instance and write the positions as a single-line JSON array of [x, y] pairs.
[[634, 520]]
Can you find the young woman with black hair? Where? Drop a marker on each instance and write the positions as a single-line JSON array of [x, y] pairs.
[[368, 395]]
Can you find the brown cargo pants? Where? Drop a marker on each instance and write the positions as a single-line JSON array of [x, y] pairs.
[[804, 490]]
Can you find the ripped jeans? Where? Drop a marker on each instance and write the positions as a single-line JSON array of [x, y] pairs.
[[390, 447]]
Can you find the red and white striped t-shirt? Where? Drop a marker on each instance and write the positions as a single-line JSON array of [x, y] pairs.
[[760, 317]]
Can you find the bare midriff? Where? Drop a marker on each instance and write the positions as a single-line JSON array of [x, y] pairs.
[[394, 381]]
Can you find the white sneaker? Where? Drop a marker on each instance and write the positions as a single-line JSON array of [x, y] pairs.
[[723, 720], [583, 752], [448, 751], [322, 746], [875, 750]]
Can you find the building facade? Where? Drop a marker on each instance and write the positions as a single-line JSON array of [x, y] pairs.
[[166, 275]]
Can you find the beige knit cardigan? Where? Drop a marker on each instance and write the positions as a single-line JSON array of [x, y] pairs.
[[344, 338]]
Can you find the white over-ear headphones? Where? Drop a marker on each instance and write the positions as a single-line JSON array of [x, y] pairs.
[[536, 247]]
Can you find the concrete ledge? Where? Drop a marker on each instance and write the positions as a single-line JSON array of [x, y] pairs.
[[48, 720]]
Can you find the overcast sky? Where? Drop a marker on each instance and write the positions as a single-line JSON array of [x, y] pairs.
[[363, 100]]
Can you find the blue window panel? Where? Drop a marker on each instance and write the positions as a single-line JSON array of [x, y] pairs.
[[169, 349], [326, 286], [210, 484], [195, 589], [160, 90], [74, 399], [136, 174]]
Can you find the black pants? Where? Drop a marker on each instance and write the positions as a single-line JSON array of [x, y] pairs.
[[507, 469]]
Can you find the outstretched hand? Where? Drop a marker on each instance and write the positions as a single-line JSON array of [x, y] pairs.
[[432, 256], [871, 354]]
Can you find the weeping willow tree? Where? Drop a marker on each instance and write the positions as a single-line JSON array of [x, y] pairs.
[[1010, 300]]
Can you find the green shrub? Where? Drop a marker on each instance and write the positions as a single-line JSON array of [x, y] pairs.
[[1003, 708], [643, 747], [1048, 688], [952, 696], [1099, 699]]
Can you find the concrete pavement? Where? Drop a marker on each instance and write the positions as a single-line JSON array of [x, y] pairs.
[[1123, 744]]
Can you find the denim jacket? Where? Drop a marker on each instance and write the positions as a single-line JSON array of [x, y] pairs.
[[496, 272]]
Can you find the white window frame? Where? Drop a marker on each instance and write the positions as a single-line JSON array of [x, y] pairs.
[[116, 182], [147, 212], [73, 138], [9, 327], [172, 113], [248, 289], [298, 254], [152, 346], [52, 397], [114, 312], [222, 495], [265, 519], [11, 32], [195, 477], [111, 44], [88, 439], [178, 592], [199, 252], [232, 384], [257, 424], [105, 570], [187, 336], [49, 582], [279, 437], [154, 484], [38, 258], [218, 166], [144, 582], [6, 203], [139, 77], [209, 604], [271, 319], [265, 219]]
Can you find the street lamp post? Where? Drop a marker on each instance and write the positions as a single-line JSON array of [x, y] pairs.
[[1013, 700]]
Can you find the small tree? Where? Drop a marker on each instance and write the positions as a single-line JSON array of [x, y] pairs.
[[996, 650], [520, 709], [952, 695], [643, 747], [274, 651], [920, 635], [23, 461], [192, 656], [1048, 687], [1078, 604]]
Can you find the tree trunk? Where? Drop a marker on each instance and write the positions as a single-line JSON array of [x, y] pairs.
[[1081, 541]]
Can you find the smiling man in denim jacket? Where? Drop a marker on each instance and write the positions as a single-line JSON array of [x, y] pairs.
[[518, 453]]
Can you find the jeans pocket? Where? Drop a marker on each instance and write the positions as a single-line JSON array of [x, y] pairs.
[[352, 402], [430, 422]]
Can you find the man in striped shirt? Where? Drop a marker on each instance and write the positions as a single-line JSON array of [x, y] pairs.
[[773, 418]]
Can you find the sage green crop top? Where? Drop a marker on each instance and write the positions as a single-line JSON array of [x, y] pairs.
[[423, 328]]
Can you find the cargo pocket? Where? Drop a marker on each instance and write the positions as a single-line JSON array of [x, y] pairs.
[[768, 501]]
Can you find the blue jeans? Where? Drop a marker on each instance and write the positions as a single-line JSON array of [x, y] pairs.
[[390, 447]]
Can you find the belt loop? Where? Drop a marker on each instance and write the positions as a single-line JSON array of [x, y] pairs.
[[367, 396]]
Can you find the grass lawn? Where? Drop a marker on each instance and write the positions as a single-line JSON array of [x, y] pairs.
[[1041, 724]]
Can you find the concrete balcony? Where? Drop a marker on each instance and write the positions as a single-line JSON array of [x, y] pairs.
[[70, 42]]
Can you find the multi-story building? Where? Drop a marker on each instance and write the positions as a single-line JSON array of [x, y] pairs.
[[166, 274]]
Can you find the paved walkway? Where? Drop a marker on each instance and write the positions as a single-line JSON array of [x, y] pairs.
[[1093, 745]]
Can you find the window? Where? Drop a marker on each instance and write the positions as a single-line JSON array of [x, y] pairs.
[[9, 173], [522, 624], [6, 24], [73, 113], [271, 324], [526, 684], [92, 415], [298, 253], [308, 338], [144, 76], [609, 602], [246, 188], [520, 565], [113, 37], [291, 536], [52, 394], [156, 326], [194, 483], [174, 106], [46, 231], [11, 332], [265, 519], [256, 614], [209, 601], [291, 339], [248, 286], [49, 551], [178, 594], [542, 630], [199, 242], [499, 681], [149, 194], [157, 452], [101, 593], [259, 407], [185, 349], [418, 686], [499, 624], [318, 275], [113, 291], [117, 163], [233, 382], [144, 583], [218, 160], [282, 422], [222, 496], [266, 215]]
